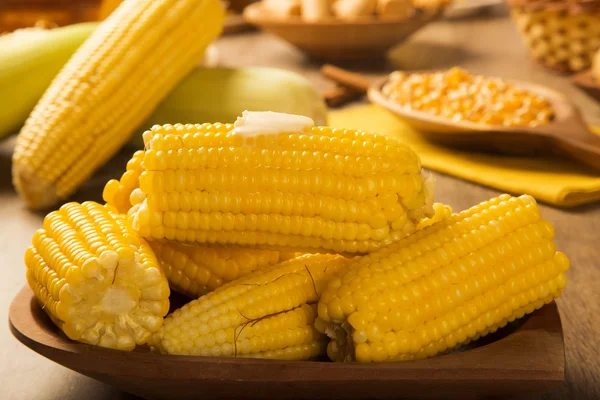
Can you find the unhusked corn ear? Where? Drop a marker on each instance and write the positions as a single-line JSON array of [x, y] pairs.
[[445, 285], [267, 314], [106, 90], [197, 270], [117, 193], [319, 188], [96, 279]]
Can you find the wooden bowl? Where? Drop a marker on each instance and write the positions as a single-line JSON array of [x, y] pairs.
[[522, 359], [337, 40]]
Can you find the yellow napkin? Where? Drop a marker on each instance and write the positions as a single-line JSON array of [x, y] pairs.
[[550, 179]]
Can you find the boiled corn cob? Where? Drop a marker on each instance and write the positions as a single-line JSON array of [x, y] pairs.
[[276, 180], [197, 270], [268, 314], [95, 278], [111, 85], [445, 285]]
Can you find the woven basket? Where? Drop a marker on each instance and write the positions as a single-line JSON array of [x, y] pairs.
[[559, 36]]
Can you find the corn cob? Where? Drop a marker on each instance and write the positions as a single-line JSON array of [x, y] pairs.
[[310, 189], [268, 314], [111, 85], [197, 270], [95, 278], [445, 285]]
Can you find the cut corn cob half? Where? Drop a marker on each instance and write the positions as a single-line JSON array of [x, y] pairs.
[[445, 285], [95, 278], [268, 314], [313, 189], [110, 86], [197, 270]]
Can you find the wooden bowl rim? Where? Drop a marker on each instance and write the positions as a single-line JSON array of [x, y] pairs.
[[557, 100], [45, 339], [252, 14], [586, 80]]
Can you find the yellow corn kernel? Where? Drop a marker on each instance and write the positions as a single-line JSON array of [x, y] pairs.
[[445, 285], [458, 96], [96, 279], [117, 193], [197, 270], [267, 314], [320, 189], [107, 89]]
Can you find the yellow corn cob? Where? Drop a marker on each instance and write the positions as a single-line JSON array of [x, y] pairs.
[[95, 278], [197, 270], [321, 188], [445, 285], [268, 314], [110, 85]]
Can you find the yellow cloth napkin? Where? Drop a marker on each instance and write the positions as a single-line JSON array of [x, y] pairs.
[[552, 180]]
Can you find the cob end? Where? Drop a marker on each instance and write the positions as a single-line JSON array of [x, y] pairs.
[[36, 193]]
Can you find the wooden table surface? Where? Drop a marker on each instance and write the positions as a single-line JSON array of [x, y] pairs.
[[486, 44]]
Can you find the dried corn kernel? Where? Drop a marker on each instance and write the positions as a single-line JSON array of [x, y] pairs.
[[458, 96]]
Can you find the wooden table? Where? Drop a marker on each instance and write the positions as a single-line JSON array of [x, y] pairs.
[[488, 45]]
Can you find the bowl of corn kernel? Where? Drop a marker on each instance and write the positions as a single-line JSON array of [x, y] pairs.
[[457, 97], [343, 29]]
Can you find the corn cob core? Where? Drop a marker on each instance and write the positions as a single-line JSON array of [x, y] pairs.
[[95, 278], [197, 270], [268, 314], [323, 188], [445, 285], [109, 87]]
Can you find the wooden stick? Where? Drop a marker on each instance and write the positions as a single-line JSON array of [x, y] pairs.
[[349, 79], [339, 95]]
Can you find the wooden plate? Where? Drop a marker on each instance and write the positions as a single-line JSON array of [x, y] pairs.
[[338, 40], [585, 80], [518, 360]]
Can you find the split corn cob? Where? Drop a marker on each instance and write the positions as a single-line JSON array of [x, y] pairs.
[[444, 286], [268, 314], [197, 270], [95, 278], [111, 85], [310, 189]]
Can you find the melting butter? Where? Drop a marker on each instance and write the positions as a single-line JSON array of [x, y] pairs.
[[255, 123]]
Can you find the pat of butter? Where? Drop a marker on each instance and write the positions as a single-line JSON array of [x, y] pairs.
[[255, 123]]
